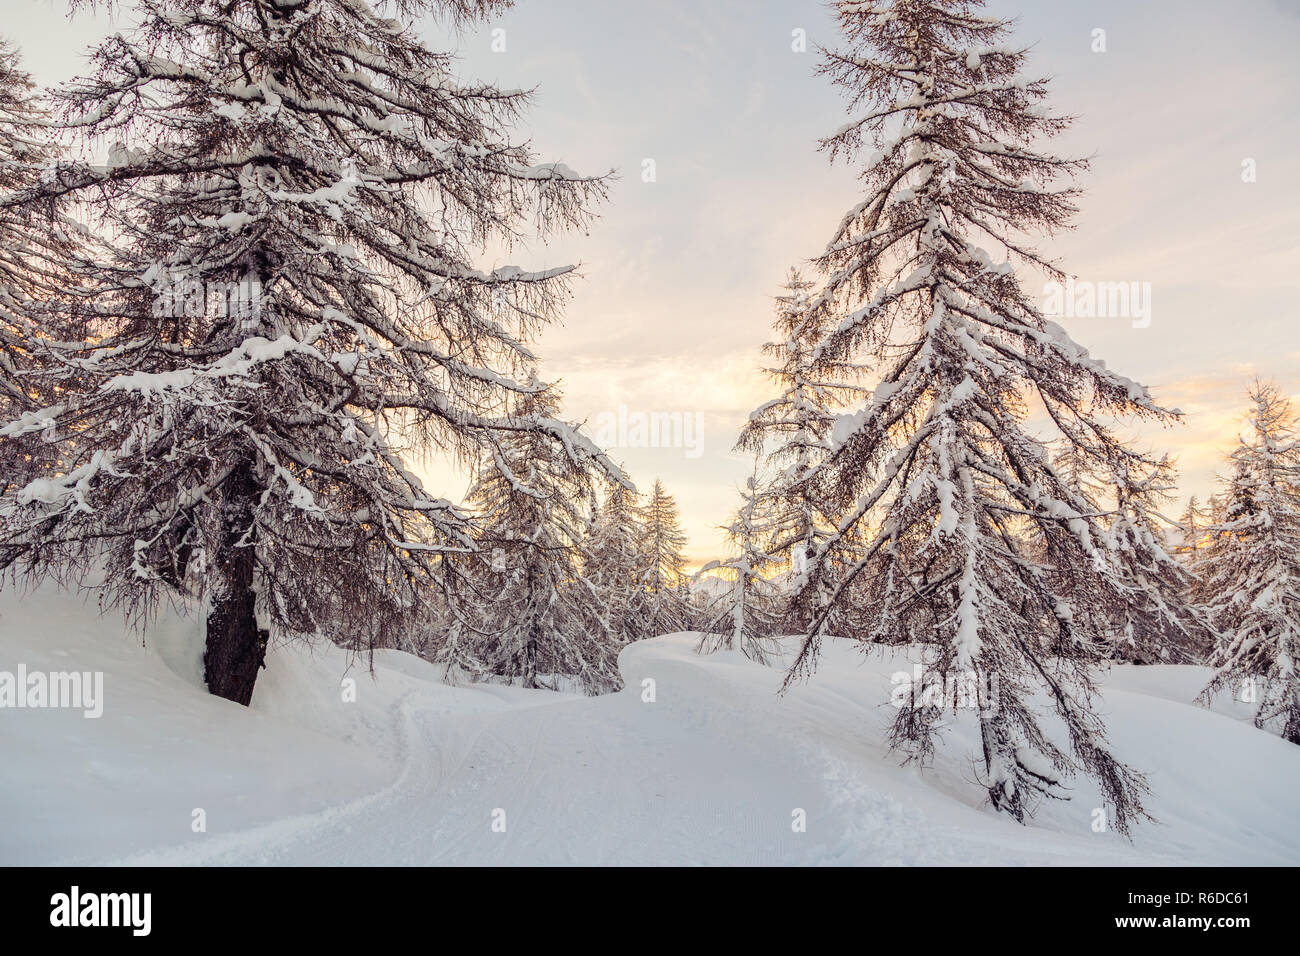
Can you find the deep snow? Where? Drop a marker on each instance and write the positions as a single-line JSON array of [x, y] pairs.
[[711, 772]]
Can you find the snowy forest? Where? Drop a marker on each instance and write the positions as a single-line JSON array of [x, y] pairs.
[[257, 271]]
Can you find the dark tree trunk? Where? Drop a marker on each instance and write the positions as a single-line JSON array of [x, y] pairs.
[[235, 647]]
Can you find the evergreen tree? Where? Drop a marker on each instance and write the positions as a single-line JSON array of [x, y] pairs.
[[975, 545], [611, 560], [1249, 568], [536, 616], [1159, 624], [660, 604], [290, 309], [1191, 526], [1156, 623], [749, 610]]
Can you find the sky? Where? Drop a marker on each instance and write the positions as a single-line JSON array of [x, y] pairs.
[[674, 300]]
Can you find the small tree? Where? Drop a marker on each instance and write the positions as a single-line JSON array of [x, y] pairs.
[[1249, 568], [1158, 624], [792, 431], [537, 620], [1154, 620], [661, 602], [750, 610], [610, 568], [1191, 526]]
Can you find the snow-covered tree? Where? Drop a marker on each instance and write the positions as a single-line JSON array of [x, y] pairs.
[[611, 552], [750, 608], [973, 543], [792, 431], [1249, 567], [1191, 526], [35, 243], [536, 620], [661, 602], [1159, 624], [298, 193], [1156, 623]]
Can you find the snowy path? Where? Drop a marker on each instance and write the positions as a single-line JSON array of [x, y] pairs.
[[712, 771], [580, 781], [701, 775]]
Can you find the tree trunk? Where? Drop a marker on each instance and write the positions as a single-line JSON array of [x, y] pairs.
[[235, 647]]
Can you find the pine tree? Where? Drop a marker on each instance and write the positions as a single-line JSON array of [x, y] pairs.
[[291, 310], [749, 610], [792, 431], [974, 544], [538, 620], [661, 602], [1249, 567]]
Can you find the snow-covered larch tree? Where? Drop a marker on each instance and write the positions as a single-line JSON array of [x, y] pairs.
[[749, 608], [297, 192], [974, 545], [537, 620], [1160, 625], [792, 431], [611, 550], [35, 243], [1156, 622], [1248, 567], [661, 602], [1191, 527]]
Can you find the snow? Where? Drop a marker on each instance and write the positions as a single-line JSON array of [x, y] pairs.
[[710, 772]]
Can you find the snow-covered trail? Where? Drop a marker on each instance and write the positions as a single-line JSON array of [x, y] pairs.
[[584, 781], [700, 775], [714, 767]]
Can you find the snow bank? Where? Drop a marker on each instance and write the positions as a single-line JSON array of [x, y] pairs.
[[703, 764]]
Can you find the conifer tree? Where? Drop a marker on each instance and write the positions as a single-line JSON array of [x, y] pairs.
[[1191, 526], [612, 551], [792, 431], [661, 602], [537, 620], [749, 609], [1249, 568], [974, 544], [36, 242], [1160, 625], [1155, 621], [291, 309]]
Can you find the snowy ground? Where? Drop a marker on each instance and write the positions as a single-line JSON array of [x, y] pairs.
[[711, 772]]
